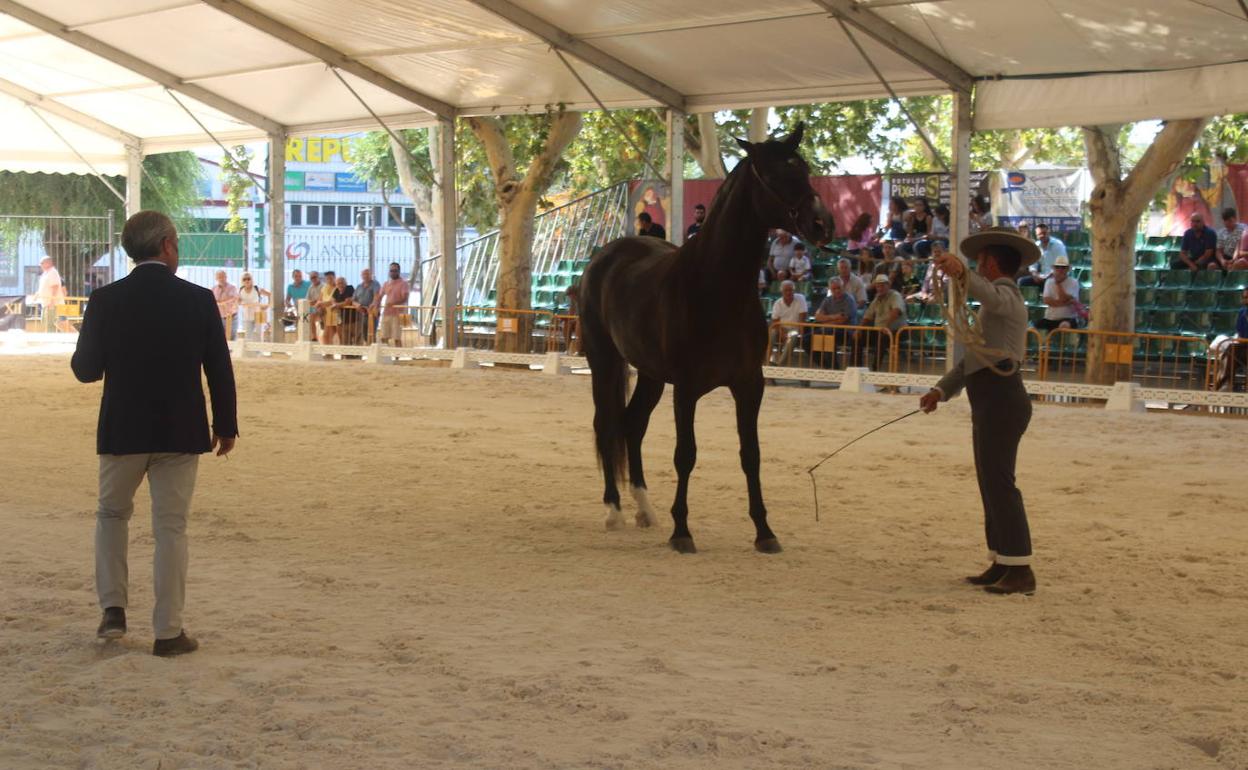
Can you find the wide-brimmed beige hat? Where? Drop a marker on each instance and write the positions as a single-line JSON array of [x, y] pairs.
[[1000, 236]]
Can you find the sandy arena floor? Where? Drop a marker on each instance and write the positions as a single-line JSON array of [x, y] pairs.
[[405, 568]]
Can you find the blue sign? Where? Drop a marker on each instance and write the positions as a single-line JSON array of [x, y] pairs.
[[345, 181]]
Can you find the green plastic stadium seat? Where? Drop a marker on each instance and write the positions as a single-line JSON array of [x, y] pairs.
[[1141, 318], [1223, 322], [1146, 277], [1150, 259], [1035, 314], [1207, 279], [1173, 278], [1229, 300], [1145, 297], [1201, 299], [1031, 294], [1195, 323], [1163, 321], [1085, 294], [1169, 298], [1236, 279]]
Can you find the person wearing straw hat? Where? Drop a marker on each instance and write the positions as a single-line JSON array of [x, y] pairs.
[[1000, 407]]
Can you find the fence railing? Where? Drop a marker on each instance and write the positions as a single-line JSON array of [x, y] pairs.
[[1151, 360], [829, 346]]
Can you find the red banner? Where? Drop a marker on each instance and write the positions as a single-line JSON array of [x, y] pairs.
[[1237, 179], [845, 196]]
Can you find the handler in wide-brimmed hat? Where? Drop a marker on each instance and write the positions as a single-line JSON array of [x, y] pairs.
[[1000, 408]]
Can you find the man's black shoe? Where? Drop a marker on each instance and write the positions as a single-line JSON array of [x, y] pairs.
[[113, 624], [989, 576], [178, 645]]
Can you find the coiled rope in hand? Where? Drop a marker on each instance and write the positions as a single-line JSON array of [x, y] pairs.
[[962, 323]]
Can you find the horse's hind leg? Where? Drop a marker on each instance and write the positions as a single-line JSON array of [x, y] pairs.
[[749, 398], [609, 375], [646, 396], [686, 457]]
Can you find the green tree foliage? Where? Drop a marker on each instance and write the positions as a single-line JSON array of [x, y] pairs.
[[601, 155], [834, 131], [236, 181], [170, 185]]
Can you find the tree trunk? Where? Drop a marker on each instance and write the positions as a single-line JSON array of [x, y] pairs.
[[421, 195], [706, 151], [758, 124], [517, 198], [1116, 205]]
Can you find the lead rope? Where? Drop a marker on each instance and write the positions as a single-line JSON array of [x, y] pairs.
[[964, 324]]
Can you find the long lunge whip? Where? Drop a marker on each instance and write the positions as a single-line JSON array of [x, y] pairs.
[[811, 470]]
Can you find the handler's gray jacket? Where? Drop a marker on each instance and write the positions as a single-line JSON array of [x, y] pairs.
[[1003, 319]]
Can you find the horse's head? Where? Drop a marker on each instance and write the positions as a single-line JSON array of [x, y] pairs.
[[782, 192]]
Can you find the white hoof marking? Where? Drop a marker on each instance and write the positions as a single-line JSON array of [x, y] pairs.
[[646, 515], [615, 517]]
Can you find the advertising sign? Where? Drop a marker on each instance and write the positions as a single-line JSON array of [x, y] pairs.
[[318, 180], [345, 181], [1054, 196], [294, 180]]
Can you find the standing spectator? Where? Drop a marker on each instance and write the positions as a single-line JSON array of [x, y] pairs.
[[296, 290], [368, 298], [780, 255], [394, 293], [790, 308], [1198, 250], [887, 313], [251, 299], [1024, 229], [315, 288], [1050, 249], [331, 319], [49, 293], [799, 266], [226, 295], [1061, 292], [647, 226], [853, 285], [342, 297], [699, 217], [150, 336], [1231, 237]]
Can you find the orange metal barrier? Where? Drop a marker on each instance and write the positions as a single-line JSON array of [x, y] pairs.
[[921, 350], [1152, 360], [506, 330], [829, 346]]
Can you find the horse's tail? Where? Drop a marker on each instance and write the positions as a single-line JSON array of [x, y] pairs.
[[610, 391]]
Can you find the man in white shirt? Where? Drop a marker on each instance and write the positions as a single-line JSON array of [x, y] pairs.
[[1061, 292], [780, 255], [49, 293], [789, 309], [852, 284], [1050, 249]]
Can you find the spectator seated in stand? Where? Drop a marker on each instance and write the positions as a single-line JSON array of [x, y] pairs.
[[887, 313], [838, 309], [790, 308], [918, 229], [647, 226], [1061, 292], [926, 293], [799, 265], [904, 280], [940, 229], [1232, 251], [780, 256], [1229, 358], [1050, 249], [852, 284], [862, 238], [1198, 250]]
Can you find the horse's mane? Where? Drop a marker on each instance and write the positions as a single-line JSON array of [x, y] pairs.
[[725, 189]]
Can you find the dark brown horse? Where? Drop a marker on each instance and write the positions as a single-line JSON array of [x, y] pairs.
[[691, 316]]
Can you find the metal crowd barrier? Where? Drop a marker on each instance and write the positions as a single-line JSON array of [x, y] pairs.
[[505, 330], [1151, 360], [829, 346]]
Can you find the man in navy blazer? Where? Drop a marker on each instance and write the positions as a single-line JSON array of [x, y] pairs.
[[149, 336]]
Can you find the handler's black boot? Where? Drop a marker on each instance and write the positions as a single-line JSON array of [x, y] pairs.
[[1017, 580], [178, 645], [113, 624], [989, 576]]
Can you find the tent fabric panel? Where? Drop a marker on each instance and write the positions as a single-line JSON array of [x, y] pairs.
[[592, 20], [1109, 99]]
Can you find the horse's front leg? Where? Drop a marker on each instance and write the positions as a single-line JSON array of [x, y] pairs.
[[749, 398], [686, 456]]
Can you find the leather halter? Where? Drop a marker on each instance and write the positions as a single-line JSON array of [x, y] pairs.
[[790, 208]]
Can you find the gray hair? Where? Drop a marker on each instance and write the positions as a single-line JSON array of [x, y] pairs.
[[837, 281], [844, 261], [144, 233], [788, 283]]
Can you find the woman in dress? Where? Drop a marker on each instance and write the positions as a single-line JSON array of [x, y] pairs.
[[252, 308]]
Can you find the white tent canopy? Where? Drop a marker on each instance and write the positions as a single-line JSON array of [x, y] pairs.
[[103, 71]]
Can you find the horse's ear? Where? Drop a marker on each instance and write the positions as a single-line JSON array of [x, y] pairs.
[[794, 139], [747, 146]]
